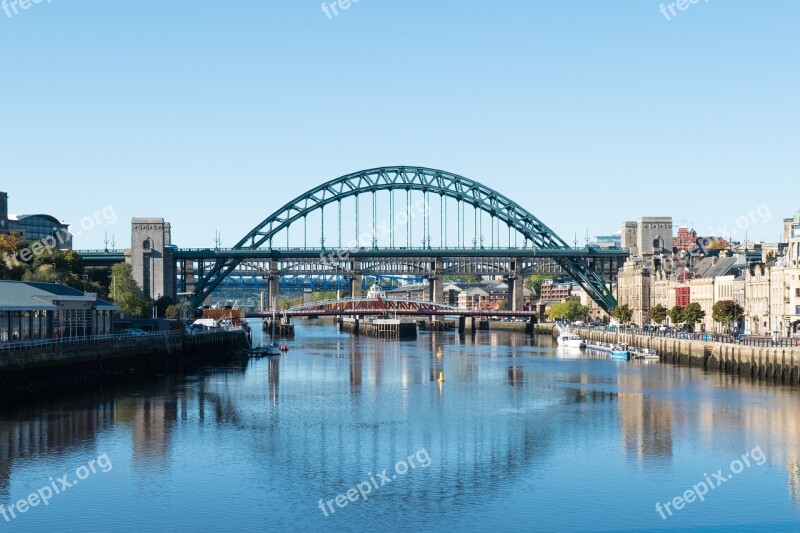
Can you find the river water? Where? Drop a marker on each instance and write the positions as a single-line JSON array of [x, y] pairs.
[[520, 436]]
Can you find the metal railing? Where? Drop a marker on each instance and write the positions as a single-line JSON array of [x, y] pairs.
[[745, 340], [26, 345]]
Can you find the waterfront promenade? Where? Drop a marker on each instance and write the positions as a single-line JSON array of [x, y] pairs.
[[778, 361]]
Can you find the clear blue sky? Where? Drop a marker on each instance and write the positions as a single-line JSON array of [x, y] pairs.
[[213, 114]]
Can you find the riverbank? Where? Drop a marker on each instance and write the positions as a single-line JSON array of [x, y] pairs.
[[53, 368], [775, 363]]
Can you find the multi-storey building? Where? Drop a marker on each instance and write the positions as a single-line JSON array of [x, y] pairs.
[[633, 288], [553, 291], [34, 227], [757, 298], [686, 239]]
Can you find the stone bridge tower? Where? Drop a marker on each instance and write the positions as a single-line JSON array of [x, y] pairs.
[[152, 257]]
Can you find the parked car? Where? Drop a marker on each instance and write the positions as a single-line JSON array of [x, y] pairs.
[[134, 332]]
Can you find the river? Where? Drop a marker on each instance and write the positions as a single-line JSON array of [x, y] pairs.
[[348, 433]]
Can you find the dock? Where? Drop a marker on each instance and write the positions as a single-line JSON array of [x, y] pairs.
[[388, 328], [282, 329]]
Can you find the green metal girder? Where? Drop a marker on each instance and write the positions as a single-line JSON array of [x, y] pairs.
[[416, 179]]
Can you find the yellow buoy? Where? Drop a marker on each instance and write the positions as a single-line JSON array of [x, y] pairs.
[[439, 353], [441, 377]]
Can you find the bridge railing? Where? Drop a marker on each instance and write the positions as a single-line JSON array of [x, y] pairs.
[[363, 249], [382, 300]]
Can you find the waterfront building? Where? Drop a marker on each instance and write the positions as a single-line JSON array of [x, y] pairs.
[[764, 278], [757, 300], [634, 287], [34, 227], [554, 291], [35, 311], [785, 283]]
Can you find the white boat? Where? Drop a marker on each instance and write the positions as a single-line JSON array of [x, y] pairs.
[[570, 340], [646, 354], [617, 351]]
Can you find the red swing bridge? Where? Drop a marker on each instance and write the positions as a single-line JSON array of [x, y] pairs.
[[388, 306]]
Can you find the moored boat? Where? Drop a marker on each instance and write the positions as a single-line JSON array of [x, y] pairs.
[[570, 340], [620, 351]]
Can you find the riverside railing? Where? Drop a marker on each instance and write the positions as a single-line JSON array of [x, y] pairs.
[[746, 340], [26, 345]]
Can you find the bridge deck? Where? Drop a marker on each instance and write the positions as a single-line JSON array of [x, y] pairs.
[[92, 256]]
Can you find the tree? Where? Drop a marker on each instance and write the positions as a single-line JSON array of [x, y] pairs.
[[693, 314], [534, 282], [125, 293], [727, 312], [622, 313], [658, 314], [173, 311], [717, 243], [466, 278], [568, 310], [11, 267], [676, 314]]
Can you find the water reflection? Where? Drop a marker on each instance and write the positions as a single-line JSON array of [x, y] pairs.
[[336, 407], [29, 435]]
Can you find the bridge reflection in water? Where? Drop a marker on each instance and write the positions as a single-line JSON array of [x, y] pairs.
[[316, 421]]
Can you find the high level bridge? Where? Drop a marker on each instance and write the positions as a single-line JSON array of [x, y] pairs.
[[388, 221]]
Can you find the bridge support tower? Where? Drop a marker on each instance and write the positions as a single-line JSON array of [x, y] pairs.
[[516, 287], [274, 283], [357, 280]]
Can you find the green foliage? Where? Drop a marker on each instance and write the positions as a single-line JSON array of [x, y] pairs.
[[693, 314], [658, 314], [181, 310], [321, 296], [676, 314], [125, 293], [567, 310], [727, 312], [466, 278], [11, 244], [622, 313], [534, 282]]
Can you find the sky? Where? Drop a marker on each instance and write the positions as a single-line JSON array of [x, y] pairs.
[[214, 114]]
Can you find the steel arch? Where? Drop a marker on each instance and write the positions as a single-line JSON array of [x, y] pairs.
[[417, 179]]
